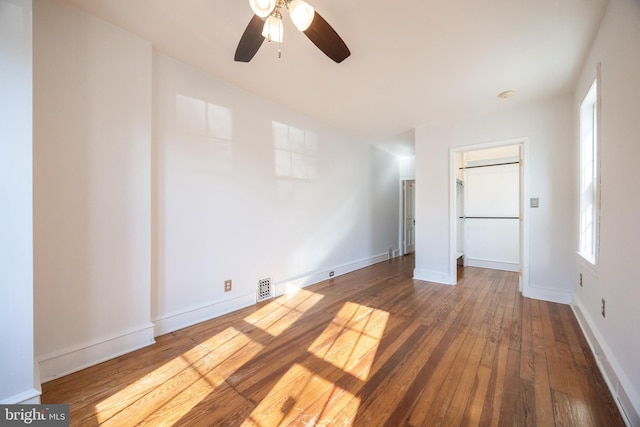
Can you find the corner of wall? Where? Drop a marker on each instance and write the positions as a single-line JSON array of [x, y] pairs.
[[28, 397], [546, 294], [67, 361], [434, 276]]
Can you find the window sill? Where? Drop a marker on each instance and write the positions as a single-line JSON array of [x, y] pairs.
[[588, 264]]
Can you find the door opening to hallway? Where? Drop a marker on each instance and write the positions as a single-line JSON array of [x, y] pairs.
[[409, 216]]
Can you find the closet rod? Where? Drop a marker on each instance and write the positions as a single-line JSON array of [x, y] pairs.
[[488, 217], [486, 166]]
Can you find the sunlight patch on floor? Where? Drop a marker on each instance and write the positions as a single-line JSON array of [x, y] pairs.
[[189, 382], [299, 389], [188, 388], [198, 371], [351, 340], [349, 343], [277, 316]]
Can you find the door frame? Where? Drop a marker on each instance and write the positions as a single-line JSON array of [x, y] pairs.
[[403, 219], [524, 196]]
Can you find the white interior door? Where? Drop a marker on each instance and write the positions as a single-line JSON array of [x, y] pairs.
[[409, 196]]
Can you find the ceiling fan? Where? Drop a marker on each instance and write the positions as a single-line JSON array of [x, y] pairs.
[[267, 24]]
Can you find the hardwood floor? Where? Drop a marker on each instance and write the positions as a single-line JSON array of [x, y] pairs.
[[370, 348]]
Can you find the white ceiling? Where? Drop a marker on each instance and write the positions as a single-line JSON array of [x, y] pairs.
[[412, 62]]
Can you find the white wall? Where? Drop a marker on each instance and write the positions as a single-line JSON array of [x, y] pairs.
[[16, 249], [92, 142], [407, 166], [502, 154], [548, 125], [616, 338], [245, 189], [128, 230]]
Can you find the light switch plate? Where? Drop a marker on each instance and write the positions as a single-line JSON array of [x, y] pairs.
[[535, 202]]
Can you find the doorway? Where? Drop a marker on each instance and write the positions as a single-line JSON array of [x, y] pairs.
[[489, 230], [408, 216]]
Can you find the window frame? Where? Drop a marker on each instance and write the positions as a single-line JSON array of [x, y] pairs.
[[589, 175]]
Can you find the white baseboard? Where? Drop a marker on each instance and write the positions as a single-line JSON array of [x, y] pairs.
[[291, 285], [70, 360], [27, 397], [546, 294], [73, 359], [173, 322], [624, 394], [433, 276], [189, 317], [37, 384], [494, 265]]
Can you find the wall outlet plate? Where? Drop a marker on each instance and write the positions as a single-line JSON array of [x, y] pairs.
[[227, 285]]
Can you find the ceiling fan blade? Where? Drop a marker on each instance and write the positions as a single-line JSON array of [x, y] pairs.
[[326, 39], [250, 41]]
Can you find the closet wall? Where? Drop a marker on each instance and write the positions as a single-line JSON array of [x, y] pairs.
[[491, 208]]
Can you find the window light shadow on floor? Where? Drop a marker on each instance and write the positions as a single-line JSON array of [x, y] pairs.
[[335, 365]]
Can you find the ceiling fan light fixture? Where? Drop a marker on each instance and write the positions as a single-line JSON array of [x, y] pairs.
[[262, 8], [312, 24], [273, 29], [301, 13]]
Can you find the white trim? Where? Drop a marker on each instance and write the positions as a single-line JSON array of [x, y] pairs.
[[546, 294], [75, 358], [27, 397], [37, 384], [597, 176], [291, 285], [401, 217], [434, 277], [192, 316], [625, 395], [587, 265], [494, 265]]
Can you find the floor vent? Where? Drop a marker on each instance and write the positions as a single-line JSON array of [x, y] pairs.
[[265, 291]]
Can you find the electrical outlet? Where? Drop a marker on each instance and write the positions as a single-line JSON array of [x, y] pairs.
[[331, 273], [602, 306], [227, 285], [580, 280]]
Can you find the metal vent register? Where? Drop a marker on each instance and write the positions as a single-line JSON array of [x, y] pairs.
[[264, 289]]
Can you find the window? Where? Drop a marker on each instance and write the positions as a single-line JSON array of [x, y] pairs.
[[589, 175]]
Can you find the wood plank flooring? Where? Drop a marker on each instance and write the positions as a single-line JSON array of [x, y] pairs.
[[370, 348]]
